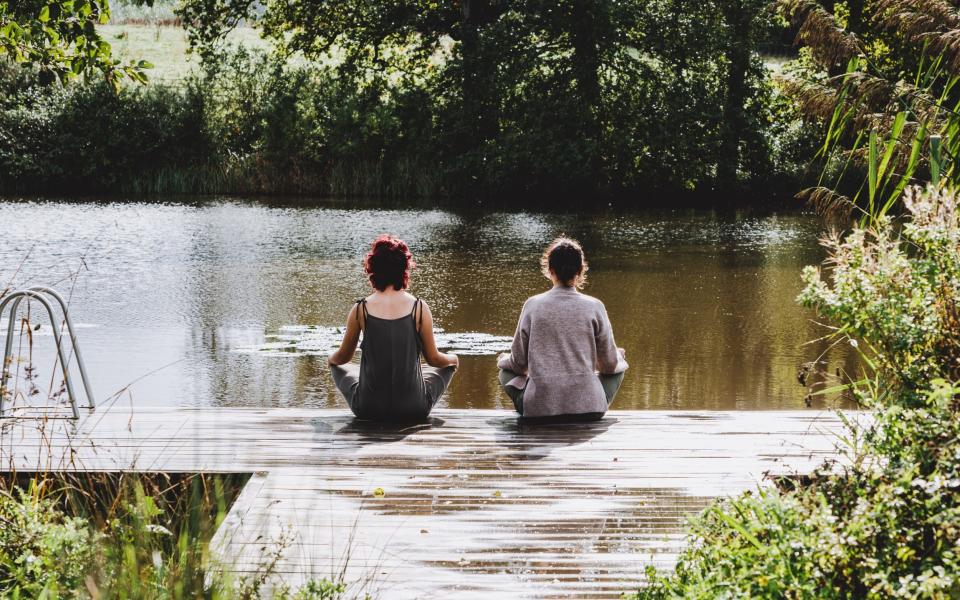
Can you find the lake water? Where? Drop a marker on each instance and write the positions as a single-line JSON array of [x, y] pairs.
[[230, 303]]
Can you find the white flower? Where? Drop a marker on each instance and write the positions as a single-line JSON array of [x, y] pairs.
[[154, 528]]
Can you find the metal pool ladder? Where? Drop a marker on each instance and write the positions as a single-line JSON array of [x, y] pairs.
[[43, 295]]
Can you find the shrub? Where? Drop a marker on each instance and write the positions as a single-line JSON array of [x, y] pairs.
[[248, 123], [873, 531], [88, 137], [314, 589], [896, 291], [886, 522], [42, 551]]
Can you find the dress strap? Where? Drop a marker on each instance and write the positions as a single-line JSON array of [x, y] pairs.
[[361, 308], [417, 318]]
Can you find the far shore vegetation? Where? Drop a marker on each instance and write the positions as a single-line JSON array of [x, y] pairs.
[[615, 101]]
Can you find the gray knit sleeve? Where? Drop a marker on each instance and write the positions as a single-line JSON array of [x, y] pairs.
[[608, 359], [516, 361]]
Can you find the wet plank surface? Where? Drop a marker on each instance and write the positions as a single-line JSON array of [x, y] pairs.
[[473, 504]]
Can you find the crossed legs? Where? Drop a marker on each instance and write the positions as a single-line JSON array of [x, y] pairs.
[[611, 385]]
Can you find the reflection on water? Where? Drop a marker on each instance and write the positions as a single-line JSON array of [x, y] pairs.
[[313, 340], [703, 303]]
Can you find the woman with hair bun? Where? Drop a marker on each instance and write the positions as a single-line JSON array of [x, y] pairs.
[[390, 384], [564, 361]]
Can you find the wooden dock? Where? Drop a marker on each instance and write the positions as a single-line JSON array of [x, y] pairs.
[[474, 504]]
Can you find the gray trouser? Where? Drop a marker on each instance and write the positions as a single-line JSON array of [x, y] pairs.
[[347, 379], [610, 383]]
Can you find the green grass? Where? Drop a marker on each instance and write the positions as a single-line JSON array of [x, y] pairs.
[[130, 536], [167, 47]]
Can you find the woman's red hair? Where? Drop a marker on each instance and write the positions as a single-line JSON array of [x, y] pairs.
[[388, 263]]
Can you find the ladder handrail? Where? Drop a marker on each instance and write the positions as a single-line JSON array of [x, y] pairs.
[[85, 379], [37, 294]]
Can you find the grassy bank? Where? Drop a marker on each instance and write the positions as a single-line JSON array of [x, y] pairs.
[[168, 48], [135, 37], [111, 535]]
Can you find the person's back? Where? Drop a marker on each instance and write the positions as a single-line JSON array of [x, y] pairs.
[[563, 339], [390, 383]]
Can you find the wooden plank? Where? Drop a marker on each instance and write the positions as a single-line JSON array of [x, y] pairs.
[[475, 503]]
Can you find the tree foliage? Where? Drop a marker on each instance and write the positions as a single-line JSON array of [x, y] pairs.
[[60, 39], [557, 97], [484, 98]]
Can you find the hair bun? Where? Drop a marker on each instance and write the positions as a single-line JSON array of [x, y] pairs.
[[564, 257]]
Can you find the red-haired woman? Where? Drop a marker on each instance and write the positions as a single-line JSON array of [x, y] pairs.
[[390, 384], [563, 361]]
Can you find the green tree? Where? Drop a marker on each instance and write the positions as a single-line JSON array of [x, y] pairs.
[[60, 38], [566, 97], [745, 20]]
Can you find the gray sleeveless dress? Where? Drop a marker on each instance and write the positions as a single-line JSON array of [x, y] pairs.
[[390, 384]]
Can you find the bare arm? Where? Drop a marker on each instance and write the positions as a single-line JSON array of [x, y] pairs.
[[434, 357], [350, 339]]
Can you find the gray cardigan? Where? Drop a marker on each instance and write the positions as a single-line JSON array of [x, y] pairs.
[[562, 340]]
